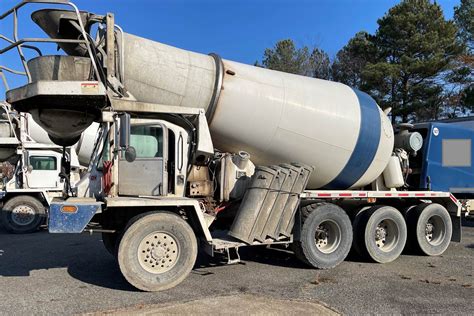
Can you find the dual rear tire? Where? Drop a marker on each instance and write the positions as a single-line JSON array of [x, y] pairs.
[[326, 236], [380, 233], [377, 233], [429, 229]]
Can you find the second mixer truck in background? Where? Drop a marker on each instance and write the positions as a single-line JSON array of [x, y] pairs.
[[197, 151]]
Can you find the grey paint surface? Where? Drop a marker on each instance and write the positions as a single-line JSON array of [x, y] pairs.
[[68, 274], [144, 176], [456, 153]]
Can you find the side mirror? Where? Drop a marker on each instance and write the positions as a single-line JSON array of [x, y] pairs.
[[124, 140], [130, 154]]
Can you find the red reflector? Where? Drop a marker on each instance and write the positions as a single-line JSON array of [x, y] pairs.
[[345, 194]]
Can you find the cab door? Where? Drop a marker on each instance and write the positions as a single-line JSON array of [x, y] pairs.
[[43, 170], [147, 175]]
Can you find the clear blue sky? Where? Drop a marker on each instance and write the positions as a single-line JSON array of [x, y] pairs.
[[236, 30]]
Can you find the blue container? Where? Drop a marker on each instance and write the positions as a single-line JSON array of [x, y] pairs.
[[445, 161]]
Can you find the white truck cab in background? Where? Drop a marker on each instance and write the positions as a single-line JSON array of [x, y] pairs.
[[29, 172]]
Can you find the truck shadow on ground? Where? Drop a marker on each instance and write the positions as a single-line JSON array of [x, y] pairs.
[[85, 259], [271, 256], [82, 256]]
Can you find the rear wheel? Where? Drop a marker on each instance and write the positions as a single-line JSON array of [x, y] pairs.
[[380, 233], [326, 236], [430, 229], [157, 251], [22, 214]]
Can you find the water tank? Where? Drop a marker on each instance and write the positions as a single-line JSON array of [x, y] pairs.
[[274, 116]]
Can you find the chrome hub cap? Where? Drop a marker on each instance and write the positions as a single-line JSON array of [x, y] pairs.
[[328, 236], [23, 215], [435, 230], [158, 252], [386, 235], [429, 230]]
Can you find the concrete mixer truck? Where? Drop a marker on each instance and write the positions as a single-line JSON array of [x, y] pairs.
[[30, 171], [31, 167], [195, 151]]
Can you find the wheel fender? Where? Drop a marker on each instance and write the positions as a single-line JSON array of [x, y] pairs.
[[64, 220]]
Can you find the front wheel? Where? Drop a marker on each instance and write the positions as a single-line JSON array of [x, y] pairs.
[[326, 236], [157, 251], [22, 214]]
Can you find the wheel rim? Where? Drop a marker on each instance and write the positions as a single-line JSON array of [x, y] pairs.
[[435, 230], [328, 236], [158, 252], [386, 235], [23, 215]]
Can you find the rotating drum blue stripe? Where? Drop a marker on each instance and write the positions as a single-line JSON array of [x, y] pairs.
[[366, 146]]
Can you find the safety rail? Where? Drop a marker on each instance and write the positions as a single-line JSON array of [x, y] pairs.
[[4, 78], [8, 115], [13, 71], [11, 114], [19, 43]]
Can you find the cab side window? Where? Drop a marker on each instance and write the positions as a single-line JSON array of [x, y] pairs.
[[147, 141], [43, 163]]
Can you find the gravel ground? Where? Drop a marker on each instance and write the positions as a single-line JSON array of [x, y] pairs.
[[69, 274]]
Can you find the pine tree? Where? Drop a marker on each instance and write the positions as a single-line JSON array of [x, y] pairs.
[[286, 57], [352, 58], [461, 78], [416, 46]]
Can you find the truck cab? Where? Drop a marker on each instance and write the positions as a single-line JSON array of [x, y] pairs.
[[161, 156], [43, 170], [30, 180], [445, 161], [29, 174]]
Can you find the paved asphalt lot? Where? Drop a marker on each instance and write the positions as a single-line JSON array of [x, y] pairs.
[[68, 274]]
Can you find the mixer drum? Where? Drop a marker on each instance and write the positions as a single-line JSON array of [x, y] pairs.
[[274, 116]]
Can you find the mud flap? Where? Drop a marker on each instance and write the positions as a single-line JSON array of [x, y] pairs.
[[67, 217], [456, 236]]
